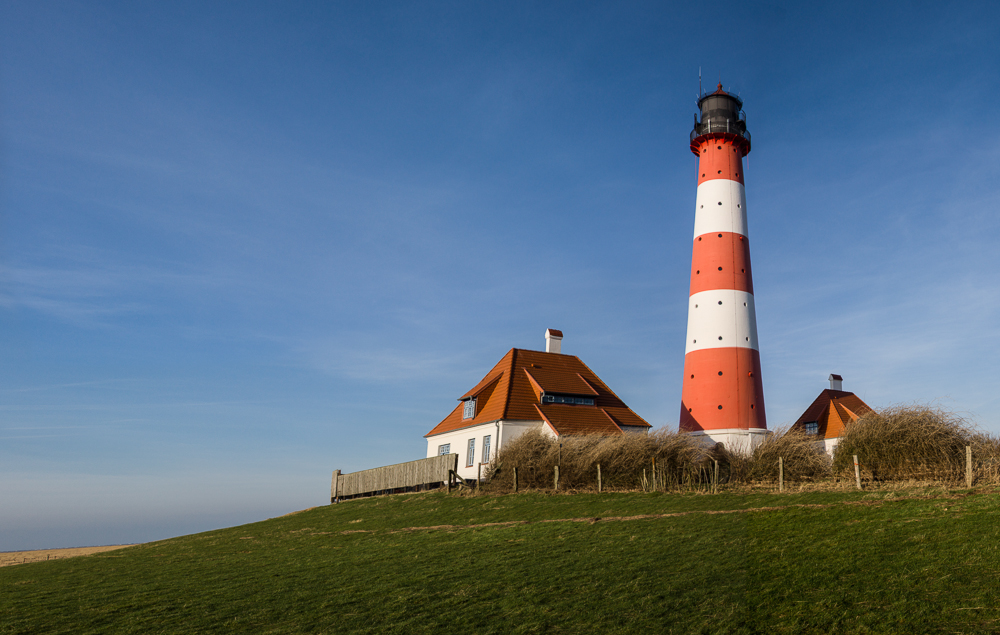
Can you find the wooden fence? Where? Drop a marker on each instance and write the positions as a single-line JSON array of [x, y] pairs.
[[408, 476]]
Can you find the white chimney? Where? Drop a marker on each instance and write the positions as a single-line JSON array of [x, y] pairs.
[[553, 341], [836, 382]]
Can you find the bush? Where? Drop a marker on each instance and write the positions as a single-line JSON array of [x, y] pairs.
[[893, 444], [625, 459], [802, 458], [909, 442]]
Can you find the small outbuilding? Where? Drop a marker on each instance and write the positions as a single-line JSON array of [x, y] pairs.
[[556, 393], [830, 412]]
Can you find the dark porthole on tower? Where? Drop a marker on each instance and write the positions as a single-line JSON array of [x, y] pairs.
[[720, 338], [720, 374], [720, 302], [720, 268], [720, 406]]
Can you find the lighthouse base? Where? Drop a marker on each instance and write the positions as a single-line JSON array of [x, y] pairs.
[[735, 439]]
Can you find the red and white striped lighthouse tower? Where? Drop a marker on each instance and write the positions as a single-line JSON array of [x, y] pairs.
[[723, 397]]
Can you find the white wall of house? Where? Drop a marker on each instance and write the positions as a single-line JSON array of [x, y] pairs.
[[830, 445], [499, 432], [827, 445]]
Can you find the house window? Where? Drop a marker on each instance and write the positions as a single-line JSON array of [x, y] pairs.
[[812, 427], [470, 458], [469, 411], [580, 401], [486, 449], [444, 449]]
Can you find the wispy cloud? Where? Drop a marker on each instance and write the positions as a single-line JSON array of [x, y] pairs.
[[88, 288]]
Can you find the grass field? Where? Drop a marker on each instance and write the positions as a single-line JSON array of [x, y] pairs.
[[833, 562]]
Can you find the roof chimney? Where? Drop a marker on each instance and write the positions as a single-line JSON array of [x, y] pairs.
[[836, 382], [553, 341]]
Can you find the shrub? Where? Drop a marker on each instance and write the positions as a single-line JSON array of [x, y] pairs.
[[802, 458], [680, 459], [909, 442], [986, 457], [892, 444]]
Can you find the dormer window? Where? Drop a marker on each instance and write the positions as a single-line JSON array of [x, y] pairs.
[[469, 409], [568, 399], [812, 427]]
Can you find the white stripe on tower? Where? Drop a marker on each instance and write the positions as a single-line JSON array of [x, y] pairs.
[[721, 318], [721, 206]]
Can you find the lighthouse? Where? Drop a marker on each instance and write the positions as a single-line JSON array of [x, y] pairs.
[[722, 396]]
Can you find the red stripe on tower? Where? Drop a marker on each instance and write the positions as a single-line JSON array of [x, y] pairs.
[[722, 397]]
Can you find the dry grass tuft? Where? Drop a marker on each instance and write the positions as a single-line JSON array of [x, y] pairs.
[[985, 457], [900, 444], [910, 443], [625, 460], [803, 459]]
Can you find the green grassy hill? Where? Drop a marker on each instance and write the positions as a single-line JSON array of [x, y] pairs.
[[898, 562]]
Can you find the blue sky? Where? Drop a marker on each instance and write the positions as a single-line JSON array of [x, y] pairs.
[[244, 244]]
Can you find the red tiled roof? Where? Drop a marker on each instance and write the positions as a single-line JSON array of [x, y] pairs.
[[566, 419], [832, 410], [561, 382], [512, 391]]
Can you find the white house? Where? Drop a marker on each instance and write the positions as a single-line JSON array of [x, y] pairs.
[[529, 389]]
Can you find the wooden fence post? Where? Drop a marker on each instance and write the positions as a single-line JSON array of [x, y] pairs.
[[557, 477], [968, 466], [715, 481], [479, 474], [781, 474], [598, 478], [450, 472], [335, 486], [654, 474], [515, 480], [857, 471]]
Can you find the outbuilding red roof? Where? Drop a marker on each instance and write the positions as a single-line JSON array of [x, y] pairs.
[[513, 390], [832, 410]]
